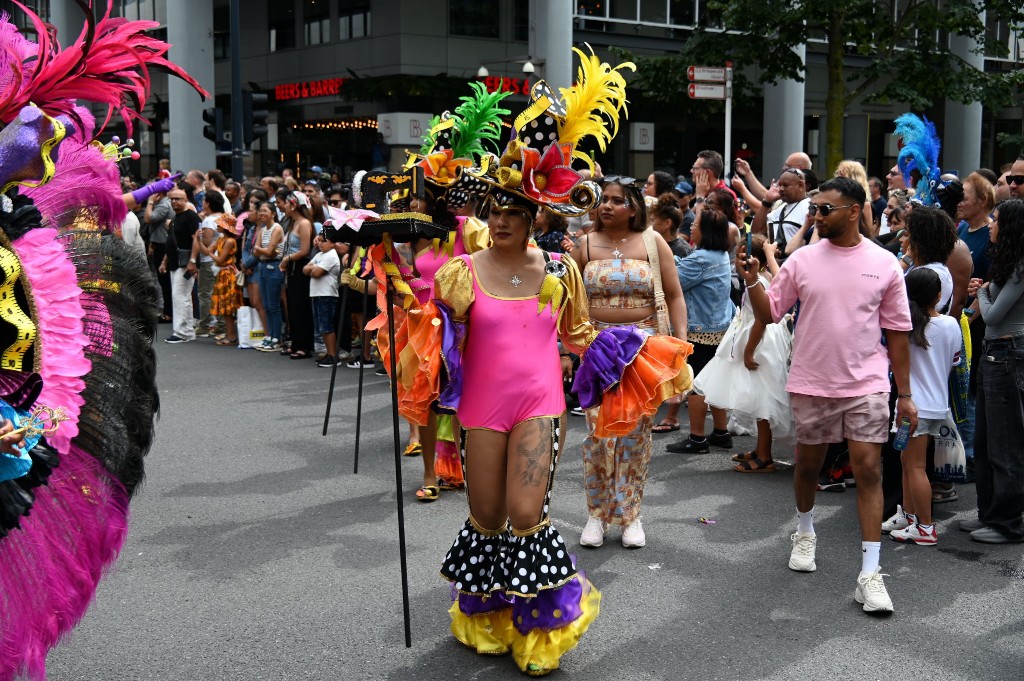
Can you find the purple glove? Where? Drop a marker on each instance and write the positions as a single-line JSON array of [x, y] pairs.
[[164, 185]]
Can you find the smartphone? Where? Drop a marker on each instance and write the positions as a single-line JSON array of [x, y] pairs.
[[187, 275], [750, 243]]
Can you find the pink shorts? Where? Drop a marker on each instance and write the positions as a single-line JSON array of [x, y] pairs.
[[822, 420]]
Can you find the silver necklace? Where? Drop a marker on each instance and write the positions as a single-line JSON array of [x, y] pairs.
[[515, 280], [616, 253]]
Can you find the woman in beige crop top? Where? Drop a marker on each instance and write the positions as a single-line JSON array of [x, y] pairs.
[[620, 291]]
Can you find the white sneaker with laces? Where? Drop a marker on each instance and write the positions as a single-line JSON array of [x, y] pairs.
[[593, 533], [871, 592], [915, 535], [633, 536], [898, 521], [801, 558]]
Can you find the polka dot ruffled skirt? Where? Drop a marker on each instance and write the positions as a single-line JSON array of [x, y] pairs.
[[519, 566]]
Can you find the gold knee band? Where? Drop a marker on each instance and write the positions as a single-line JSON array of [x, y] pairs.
[[483, 531], [532, 531]]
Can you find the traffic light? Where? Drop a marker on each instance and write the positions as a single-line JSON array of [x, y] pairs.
[[214, 128], [254, 116]]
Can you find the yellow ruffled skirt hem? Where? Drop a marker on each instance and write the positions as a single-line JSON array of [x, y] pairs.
[[537, 652]]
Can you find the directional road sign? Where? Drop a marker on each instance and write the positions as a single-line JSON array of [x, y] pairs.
[[706, 91], [707, 74]]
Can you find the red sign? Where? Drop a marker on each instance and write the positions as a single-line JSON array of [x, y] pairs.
[[517, 86], [329, 87]]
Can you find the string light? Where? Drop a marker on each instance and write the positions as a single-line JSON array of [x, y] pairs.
[[341, 124]]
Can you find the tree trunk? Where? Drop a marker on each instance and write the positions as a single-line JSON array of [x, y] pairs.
[[835, 97]]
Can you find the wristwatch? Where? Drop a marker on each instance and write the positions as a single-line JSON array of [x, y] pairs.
[[191, 261]]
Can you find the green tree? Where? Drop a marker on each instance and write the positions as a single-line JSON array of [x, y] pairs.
[[900, 49]]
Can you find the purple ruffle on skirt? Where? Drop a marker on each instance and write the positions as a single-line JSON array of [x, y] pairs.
[[605, 361], [453, 334], [471, 604], [551, 608]]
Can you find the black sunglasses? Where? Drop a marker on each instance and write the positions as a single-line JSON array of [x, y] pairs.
[[1015, 179], [336, 202], [825, 209]]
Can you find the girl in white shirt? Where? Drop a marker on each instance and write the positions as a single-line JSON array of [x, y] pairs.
[[935, 345]]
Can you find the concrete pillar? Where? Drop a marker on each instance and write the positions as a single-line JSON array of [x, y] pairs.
[[783, 121], [68, 19], [961, 138], [190, 32], [556, 48]]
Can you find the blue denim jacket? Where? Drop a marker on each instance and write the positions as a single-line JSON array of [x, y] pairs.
[[706, 278]]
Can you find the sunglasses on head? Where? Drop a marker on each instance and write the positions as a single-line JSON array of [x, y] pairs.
[[796, 171], [1015, 179], [624, 180], [824, 208]]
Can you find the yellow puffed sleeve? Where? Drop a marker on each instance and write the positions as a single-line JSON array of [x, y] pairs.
[[453, 285], [574, 327], [475, 235]]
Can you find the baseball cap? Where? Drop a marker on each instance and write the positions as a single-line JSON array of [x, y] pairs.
[[684, 188]]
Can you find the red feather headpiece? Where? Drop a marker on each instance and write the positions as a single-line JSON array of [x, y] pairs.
[[108, 64]]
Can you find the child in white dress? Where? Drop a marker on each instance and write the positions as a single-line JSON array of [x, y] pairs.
[[748, 375]]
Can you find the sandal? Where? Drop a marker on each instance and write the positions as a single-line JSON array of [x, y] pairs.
[[666, 426], [745, 456], [227, 341], [944, 496], [299, 354], [754, 465], [428, 493], [414, 449]]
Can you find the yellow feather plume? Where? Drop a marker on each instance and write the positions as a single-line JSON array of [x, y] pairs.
[[551, 291], [594, 101]]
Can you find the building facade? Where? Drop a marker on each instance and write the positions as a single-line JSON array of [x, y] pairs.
[[345, 75]]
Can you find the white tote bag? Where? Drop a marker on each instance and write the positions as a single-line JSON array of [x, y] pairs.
[[250, 328], [950, 458]]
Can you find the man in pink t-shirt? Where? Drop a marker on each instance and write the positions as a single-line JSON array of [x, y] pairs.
[[851, 292]]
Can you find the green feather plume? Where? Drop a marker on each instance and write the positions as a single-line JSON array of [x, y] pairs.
[[477, 122], [429, 138]]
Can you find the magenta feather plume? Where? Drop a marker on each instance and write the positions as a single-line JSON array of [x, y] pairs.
[[108, 64]]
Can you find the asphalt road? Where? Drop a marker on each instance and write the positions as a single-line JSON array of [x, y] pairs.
[[255, 553]]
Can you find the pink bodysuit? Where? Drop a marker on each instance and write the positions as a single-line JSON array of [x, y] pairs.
[[527, 381], [429, 261]]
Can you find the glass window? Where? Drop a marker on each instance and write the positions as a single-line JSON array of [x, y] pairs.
[[354, 19], [281, 21], [521, 21], [474, 18], [316, 19], [654, 11], [221, 32], [623, 9], [681, 13]]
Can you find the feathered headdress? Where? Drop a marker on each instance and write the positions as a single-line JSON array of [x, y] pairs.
[[109, 64], [919, 150], [535, 168]]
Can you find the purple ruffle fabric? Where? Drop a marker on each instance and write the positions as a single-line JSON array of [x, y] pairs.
[[453, 335], [477, 605], [605, 361], [564, 600]]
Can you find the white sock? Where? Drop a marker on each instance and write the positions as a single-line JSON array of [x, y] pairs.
[[805, 521], [869, 557]]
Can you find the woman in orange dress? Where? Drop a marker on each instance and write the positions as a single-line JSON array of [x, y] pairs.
[[227, 294]]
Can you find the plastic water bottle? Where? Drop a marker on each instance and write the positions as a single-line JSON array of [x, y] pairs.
[[902, 435]]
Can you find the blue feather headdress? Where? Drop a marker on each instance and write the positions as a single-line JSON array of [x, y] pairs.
[[919, 150]]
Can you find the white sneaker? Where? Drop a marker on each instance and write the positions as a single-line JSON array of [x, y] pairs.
[[915, 535], [633, 536], [898, 521], [871, 592], [801, 558], [593, 533]]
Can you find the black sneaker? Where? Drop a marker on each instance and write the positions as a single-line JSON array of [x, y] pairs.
[[327, 362], [381, 370], [357, 363], [688, 446], [174, 340], [720, 440]]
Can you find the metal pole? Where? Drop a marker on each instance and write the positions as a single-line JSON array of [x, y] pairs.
[[359, 398], [728, 120], [334, 369], [398, 465], [236, 95]]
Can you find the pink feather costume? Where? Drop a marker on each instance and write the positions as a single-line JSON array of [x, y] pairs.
[[87, 303]]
